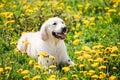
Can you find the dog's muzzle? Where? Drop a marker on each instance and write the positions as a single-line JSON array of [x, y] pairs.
[[60, 35]]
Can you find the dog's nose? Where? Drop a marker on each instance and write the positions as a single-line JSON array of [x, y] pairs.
[[64, 29]]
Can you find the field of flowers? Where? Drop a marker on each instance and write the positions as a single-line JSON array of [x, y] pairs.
[[93, 39]]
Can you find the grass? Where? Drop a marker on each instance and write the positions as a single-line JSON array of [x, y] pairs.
[[93, 39]]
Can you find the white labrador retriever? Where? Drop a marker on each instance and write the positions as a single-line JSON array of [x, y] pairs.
[[49, 41]]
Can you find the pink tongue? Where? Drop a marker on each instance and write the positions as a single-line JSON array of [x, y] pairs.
[[63, 36]]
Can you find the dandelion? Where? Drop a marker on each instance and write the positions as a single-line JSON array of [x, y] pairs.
[[81, 65], [99, 59], [113, 55], [87, 6], [114, 49], [76, 16], [52, 77], [30, 62], [37, 66], [95, 76], [52, 67], [26, 77], [87, 56], [86, 22], [39, 3], [36, 77], [25, 72], [76, 42], [66, 69], [86, 48], [52, 57], [92, 19], [102, 67], [43, 54], [102, 75], [13, 43], [77, 34], [74, 75], [80, 6], [1, 70], [80, 58], [64, 78], [95, 64], [91, 72], [8, 68], [20, 70], [114, 68], [46, 73], [112, 77], [112, 10], [118, 13]]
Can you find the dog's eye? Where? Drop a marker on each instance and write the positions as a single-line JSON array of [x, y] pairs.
[[62, 22], [55, 23]]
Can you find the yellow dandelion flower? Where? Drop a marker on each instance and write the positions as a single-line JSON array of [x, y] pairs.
[[114, 68], [13, 43], [100, 17], [95, 76], [112, 77], [91, 72], [52, 67], [62, 4], [64, 78], [76, 42], [112, 10], [80, 6], [39, 3], [113, 55], [99, 59], [30, 62], [81, 71], [86, 48], [87, 56], [20, 70], [52, 57], [52, 77], [114, 49], [76, 16], [37, 66], [8, 68], [43, 54], [74, 75], [95, 64], [86, 22], [66, 69], [81, 65], [118, 13], [102, 67], [102, 75], [36, 77], [25, 77], [77, 35], [25, 72], [77, 52], [46, 73], [2, 6], [1, 70], [92, 19], [80, 58]]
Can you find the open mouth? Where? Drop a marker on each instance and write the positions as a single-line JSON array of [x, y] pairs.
[[59, 35]]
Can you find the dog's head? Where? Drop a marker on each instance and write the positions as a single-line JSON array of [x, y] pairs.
[[55, 28]]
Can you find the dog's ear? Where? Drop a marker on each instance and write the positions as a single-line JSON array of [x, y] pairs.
[[43, 32]]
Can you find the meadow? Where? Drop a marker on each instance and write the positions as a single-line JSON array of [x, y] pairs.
[[93, 38]]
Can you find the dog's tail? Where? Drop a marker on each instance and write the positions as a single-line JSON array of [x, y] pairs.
[[22, 43]]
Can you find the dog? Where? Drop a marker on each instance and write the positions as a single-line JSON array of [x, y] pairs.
[[47, 45]]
